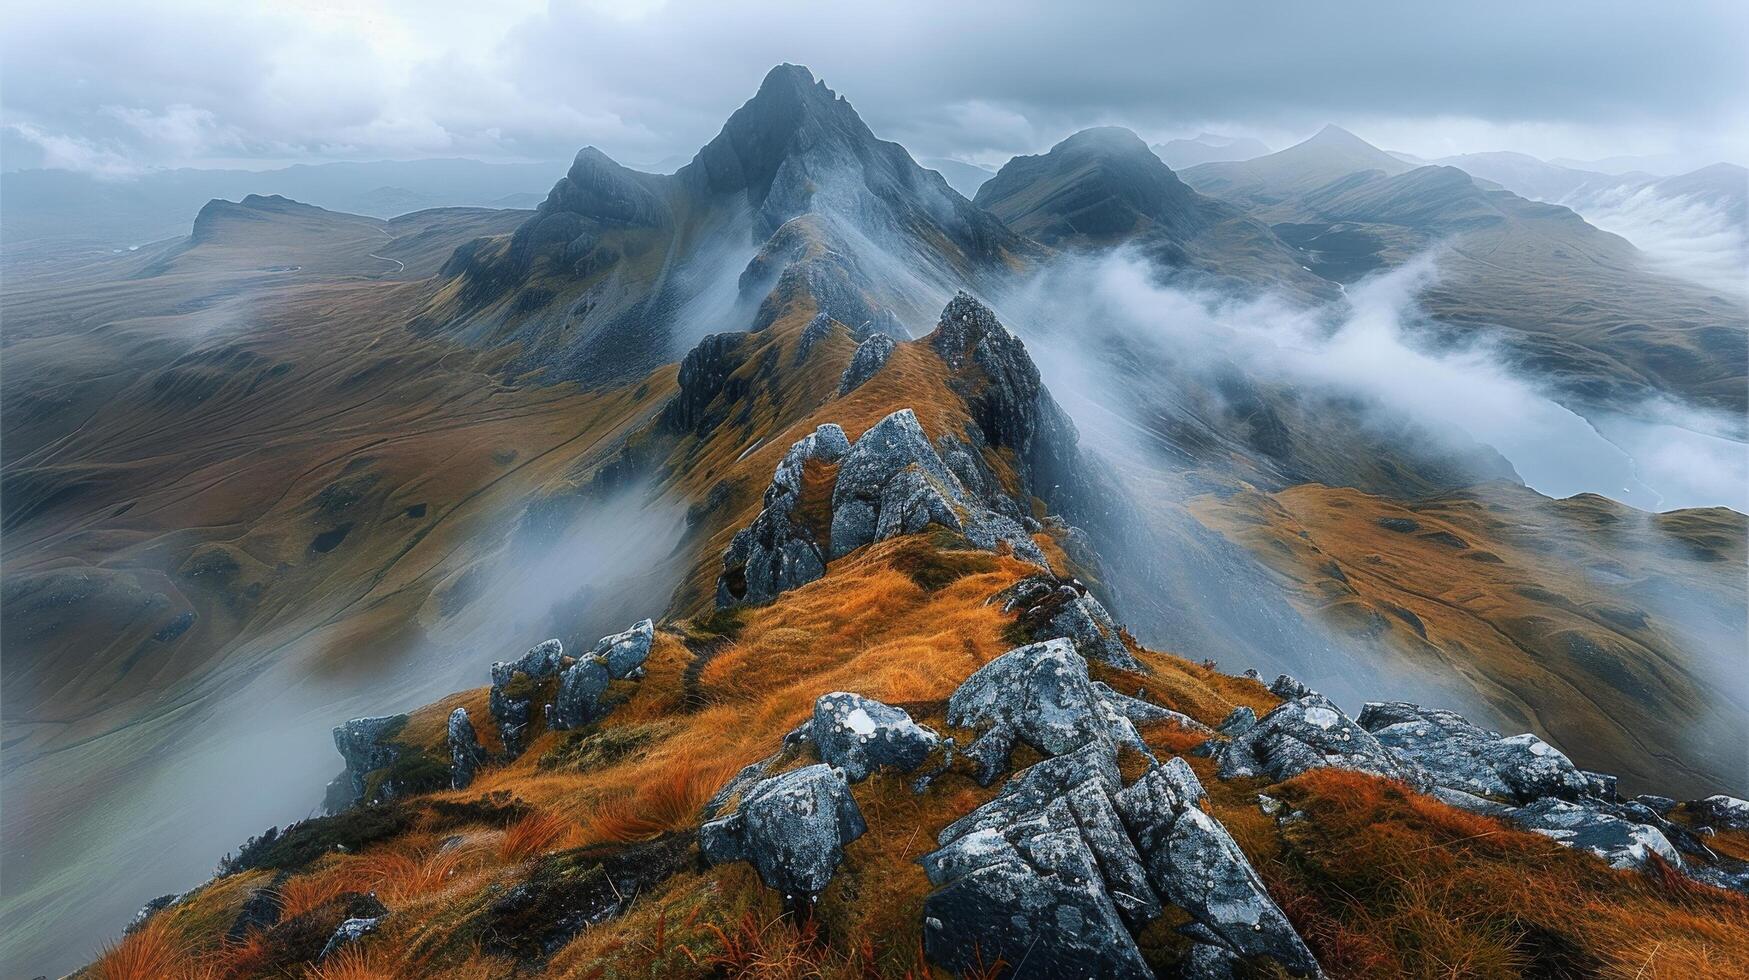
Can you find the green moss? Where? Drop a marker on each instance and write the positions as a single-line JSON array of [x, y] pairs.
[[590, 749]]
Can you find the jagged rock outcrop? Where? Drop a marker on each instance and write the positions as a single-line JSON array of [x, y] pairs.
[[1461, 756], [1194, 864], [1009, 402], [893, 482], [860, 735], [793, 829], [512, 697], [1306, 733], [871, 355], [581, 697], [1065, 863], [466, 756], [776, 552], [1052, 608], [365, 745], [1039, 695], [818, 329]]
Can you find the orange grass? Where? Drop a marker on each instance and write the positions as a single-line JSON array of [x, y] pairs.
[[156, 951], [535, 834]]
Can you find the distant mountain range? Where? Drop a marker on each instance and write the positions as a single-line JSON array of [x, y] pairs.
[[1208, 148], [64, 206]]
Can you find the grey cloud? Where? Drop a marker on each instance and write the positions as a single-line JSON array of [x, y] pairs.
[[978, 80]]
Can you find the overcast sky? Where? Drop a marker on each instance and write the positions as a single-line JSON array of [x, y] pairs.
[[115, 86]]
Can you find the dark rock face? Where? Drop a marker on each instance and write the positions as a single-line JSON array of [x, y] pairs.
[[1307, 733], [793, 829], [1009, 402], [860, 735], [704, 375], [1458, 755], [871, 355], [1053, 608], [775, 553], [511, 708], [364, 744], [465, 754], [1040, 695]]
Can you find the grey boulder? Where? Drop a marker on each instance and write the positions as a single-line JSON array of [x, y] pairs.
[[871, 355], [1721, 812], [1052, 608], [1040, 695], [792, 828], [1307, 733], [1461, 756], [1622, 843], [860, 735]]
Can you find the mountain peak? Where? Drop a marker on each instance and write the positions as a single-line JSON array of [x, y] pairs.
[[1334, 135], [1104, 138], [789, 79]]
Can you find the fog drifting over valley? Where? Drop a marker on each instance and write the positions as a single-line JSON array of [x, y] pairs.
[[1377, 346]]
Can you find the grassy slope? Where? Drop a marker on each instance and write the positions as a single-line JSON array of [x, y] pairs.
[[1602, 628], [1384, 883]]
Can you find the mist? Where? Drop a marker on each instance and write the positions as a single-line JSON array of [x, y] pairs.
[[250, 746], [1684, 236], [1375, 349]]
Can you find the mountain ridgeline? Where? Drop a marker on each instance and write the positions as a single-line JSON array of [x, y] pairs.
[[619, 271], [950, 597]]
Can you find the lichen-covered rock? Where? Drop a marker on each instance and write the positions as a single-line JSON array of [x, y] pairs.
[[1622, 843], [818, 329], [776, 553], [512, 707], [1194, 864], [871, 355], [580, 698], [1050, 608], [465, 754], [1039, 904], [1306, 733], [1146, 712], [624, 653], [1461, 756], [860, 735], [1721, 812], [365, 745], [1038, 694], [1238, 721], [891, 482], [793, 829]]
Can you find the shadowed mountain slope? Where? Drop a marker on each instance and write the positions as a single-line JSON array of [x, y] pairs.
[[620, 270], [1102, 187]]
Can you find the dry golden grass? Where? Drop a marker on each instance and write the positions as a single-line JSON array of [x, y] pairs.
[[156, 951], [533, 835], [1384, 882]]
